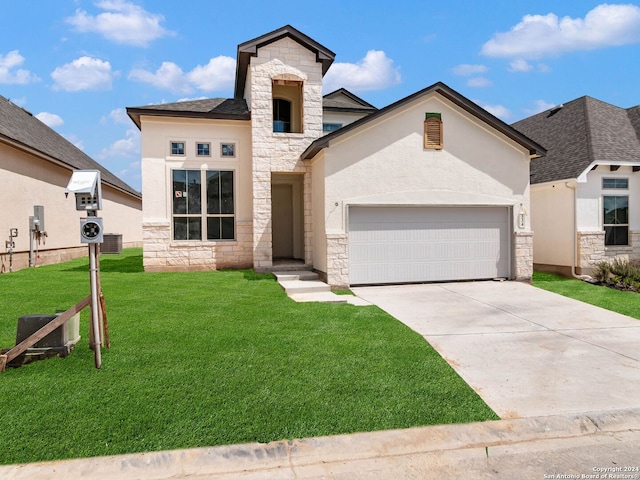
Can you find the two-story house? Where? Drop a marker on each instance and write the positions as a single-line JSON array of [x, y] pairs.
[[429, 188]]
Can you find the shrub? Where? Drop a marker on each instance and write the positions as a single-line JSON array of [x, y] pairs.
[[618, 272]]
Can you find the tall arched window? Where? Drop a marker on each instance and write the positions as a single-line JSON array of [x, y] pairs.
[[287, 105]]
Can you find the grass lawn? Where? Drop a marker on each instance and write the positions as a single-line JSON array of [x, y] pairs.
[[212, 358], [626, 303]]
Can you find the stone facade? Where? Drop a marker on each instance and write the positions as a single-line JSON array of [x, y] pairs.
[[590, 250], [338, 260], [288, 61], [523, 250], [162, 255]]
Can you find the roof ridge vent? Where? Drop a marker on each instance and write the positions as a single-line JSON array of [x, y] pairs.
[[555, 110]]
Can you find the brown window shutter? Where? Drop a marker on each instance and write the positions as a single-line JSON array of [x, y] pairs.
[[433, 133]]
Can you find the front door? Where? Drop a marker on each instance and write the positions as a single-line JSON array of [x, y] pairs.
[[282, 220]]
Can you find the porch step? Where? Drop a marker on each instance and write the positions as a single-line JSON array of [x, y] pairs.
[[318, 297], [304, 286], [295, 275]]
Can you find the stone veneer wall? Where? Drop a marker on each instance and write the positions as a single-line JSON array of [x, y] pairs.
[[590, 250], [160, 254], [338, 260], [284, 59], [523, 249], [626, 252]]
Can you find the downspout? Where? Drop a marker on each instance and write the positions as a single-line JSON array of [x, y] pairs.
[[573, 185]]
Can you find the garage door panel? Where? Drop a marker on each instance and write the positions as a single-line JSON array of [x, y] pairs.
[[403, 244]]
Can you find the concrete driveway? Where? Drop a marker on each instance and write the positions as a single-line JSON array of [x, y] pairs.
[[526, 351]]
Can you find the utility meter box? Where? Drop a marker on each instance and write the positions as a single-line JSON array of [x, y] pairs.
[[91, 230], [87, 187]]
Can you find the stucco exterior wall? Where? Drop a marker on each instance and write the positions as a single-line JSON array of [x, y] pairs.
[[384, 163], [161, 252], [552, 221], [28, 180]]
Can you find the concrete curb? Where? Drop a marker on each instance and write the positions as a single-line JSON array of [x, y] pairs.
[[315, 457]]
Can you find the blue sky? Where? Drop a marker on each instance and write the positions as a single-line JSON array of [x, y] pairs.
[[77, 64]]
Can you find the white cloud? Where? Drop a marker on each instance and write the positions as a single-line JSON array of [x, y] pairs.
[[464, 70], [218, 74], [121, 22], [50, 119], [537, 36], [10, 74], [84, 73], [500, 111], [125, 147], [374, 72], [119, 115], [520, 65], [479, 82], [539, 106], [168, 77]]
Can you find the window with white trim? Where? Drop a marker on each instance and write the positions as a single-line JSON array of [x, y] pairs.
[[203, 149], [203, 205], [616, 219], [177, 148], [615, 183]]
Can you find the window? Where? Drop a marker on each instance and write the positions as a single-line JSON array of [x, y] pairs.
[[228, 150], [203, 149], [433, 131], [330, 127], [286, 96], [177, 148], [621, 183], [281, 115], [616, 220], [193, 220]]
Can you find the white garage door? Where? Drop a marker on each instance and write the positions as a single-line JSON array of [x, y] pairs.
[[425, 244]]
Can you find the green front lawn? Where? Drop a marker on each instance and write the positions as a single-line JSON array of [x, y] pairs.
[[212, 358], [624, 302]]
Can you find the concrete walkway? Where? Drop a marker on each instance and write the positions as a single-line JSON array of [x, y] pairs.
[[526, 351], [593, 444]]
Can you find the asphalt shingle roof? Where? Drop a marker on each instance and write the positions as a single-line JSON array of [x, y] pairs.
[[18, 125], [579, 133], [222, 108]]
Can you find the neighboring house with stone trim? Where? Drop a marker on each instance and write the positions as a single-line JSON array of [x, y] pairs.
[[36, 164], [430, 188], [585, 191]]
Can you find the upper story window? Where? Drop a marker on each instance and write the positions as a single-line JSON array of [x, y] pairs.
[[433, 131], [203, 149], [281, 115], [177, 148], [619, 183], [331, 127], [287, 106]]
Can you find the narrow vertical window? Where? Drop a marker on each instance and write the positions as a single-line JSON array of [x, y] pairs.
[[616, 219]]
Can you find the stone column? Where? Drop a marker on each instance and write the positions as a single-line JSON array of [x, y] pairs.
[[523, 250], [337, 260], [590, 250]]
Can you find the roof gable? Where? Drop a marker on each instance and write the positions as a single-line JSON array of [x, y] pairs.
[[250, 49], [25, 131], [580, 133], [342, 100], [446, 92]]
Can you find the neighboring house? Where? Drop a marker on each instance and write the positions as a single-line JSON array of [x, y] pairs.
[[36, 165], [430, 188], [585, 191]]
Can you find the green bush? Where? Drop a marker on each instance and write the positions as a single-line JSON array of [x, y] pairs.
[[618, 272]]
